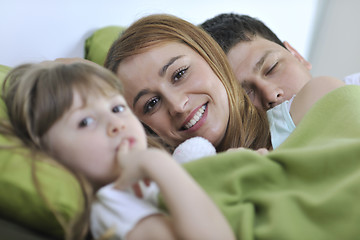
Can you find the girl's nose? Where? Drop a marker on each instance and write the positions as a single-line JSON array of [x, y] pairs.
[[115, 126]]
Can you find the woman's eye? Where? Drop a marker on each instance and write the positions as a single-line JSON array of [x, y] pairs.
[[86, 122], [271, 68], [118, 108], [149, 106], [180, 73]]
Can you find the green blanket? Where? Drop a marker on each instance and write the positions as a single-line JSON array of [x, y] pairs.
[[308, 188]]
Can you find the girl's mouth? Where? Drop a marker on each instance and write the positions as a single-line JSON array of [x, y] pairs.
[[196, 118]]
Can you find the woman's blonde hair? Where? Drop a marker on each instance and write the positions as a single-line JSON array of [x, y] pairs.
[[247, 126], [36, 96]]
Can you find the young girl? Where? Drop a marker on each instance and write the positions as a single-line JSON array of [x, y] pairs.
[[76, 113]]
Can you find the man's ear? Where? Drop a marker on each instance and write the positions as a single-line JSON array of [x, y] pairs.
[[297, 55]]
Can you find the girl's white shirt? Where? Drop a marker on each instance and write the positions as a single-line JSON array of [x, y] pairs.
[[119, 211]]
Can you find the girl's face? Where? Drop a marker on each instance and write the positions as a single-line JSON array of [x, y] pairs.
[[87, 137], [173, 90]]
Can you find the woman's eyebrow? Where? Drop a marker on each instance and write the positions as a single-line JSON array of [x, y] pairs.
[[139, 95], [161, 73], [166, 66]]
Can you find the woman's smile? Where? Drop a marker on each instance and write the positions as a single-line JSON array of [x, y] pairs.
[[194, 123], [175, 92]]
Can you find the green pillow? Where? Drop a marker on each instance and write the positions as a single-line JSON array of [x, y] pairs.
[[20, 201], [98, 44], [3, 71]]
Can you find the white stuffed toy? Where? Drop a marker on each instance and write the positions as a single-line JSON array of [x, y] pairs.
[[193, 148]]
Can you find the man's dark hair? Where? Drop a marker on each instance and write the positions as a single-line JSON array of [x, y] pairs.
[[228, 29]]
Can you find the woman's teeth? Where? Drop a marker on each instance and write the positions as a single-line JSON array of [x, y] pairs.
[[196, 117]]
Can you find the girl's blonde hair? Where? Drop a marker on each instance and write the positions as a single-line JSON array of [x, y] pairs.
[[36, 96], [247, 126]]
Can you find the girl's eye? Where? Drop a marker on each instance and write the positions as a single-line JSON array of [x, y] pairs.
[[86, 122], [271, 69], [118, 109], [180, 73], [149, 105]]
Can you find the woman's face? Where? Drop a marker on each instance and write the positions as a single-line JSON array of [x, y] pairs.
[[173, 90]]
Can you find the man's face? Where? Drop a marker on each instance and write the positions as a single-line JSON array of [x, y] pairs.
[[269, 73]]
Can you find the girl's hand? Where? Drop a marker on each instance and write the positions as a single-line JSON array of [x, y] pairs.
[[136, 165], [131, 171]]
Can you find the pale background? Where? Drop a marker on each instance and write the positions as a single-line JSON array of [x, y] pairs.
[[335, 46], [326, 32]]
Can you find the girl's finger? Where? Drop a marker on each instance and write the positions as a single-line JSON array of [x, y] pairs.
[[123, 147]]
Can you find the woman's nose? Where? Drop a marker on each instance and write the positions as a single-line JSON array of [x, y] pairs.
[[177, 102]]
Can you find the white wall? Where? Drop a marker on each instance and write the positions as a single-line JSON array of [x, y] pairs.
[[36, 30], [336, 41]]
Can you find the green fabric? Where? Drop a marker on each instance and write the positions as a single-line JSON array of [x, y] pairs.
[[308, 188], [98, 44], [3, 71], [20, 201]]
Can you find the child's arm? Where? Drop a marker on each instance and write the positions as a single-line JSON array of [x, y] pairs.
[[310, 94], [192, 213]]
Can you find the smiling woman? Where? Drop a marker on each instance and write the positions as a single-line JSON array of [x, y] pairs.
[[178, 97], [184, 87]]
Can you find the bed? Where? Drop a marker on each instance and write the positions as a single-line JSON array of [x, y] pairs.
[[306, 189]]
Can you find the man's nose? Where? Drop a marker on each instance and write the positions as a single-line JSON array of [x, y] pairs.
[[270, 94]]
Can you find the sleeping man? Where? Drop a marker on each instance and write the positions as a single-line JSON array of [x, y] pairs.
[[253, 51], [271, 71]]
